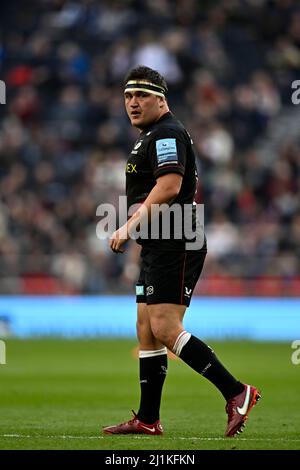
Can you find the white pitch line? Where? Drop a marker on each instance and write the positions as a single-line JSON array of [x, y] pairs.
[[26, 436], [237, 439], [226, 439]]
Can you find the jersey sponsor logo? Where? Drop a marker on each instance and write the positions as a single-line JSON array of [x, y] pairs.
[[149, 290], [130, 168], [139, 290], [166, 151]]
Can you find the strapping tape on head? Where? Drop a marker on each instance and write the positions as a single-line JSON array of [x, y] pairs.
[[143, 85]]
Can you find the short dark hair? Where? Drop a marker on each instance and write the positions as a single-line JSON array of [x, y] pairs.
[[142, 72]]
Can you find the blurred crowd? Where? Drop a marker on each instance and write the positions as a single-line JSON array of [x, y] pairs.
[[65, 138]]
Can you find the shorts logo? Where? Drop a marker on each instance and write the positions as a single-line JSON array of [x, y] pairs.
[[150, 290], [187, 292], [139, 290]]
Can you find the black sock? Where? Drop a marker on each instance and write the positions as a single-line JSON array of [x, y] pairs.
[[153, 370], [203, 360]]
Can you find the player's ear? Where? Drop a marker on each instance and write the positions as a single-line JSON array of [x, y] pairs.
[[161, 101]]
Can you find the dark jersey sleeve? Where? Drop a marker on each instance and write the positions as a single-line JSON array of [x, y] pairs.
[[167, 152]]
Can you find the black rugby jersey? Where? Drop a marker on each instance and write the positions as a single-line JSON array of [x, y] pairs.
[[163, 147]]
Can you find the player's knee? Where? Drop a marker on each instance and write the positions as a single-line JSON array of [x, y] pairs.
[[160, 330]]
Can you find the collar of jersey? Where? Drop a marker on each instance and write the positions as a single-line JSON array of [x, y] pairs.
[[164, 116]]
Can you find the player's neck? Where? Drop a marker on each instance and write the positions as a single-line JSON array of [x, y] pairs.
[[159, 117]]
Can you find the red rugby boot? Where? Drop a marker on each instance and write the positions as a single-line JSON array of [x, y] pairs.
[[135, 426], [238, 409]]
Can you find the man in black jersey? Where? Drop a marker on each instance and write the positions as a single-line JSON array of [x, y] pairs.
[[161, 170]]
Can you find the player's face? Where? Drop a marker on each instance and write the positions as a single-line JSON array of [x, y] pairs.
[[143, 108]]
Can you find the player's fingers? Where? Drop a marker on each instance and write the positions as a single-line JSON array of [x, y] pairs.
[[118, 247], [120, 250], [112, 244]]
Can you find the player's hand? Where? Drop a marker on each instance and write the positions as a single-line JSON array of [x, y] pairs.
[[118, 238]]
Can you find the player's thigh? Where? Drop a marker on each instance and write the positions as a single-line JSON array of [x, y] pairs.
[[167, 312]]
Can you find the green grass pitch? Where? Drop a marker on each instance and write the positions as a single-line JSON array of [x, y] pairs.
[[58, 393]]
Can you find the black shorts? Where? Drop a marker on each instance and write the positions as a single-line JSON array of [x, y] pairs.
[[169, 276]]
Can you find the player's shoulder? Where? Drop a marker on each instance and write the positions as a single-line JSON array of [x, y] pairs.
[[170, 127]]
